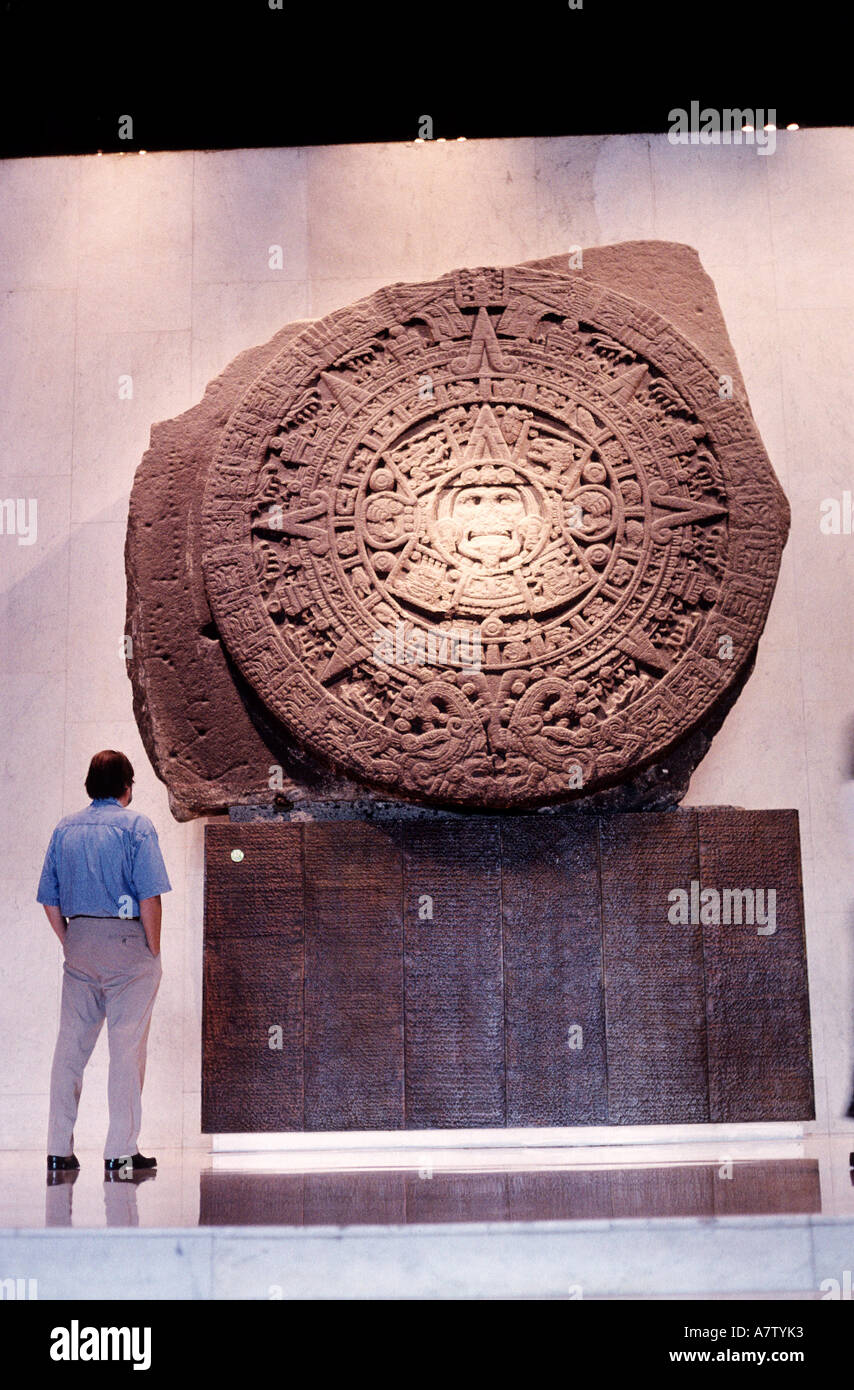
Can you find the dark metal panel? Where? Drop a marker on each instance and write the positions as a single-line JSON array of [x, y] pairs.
[[353, 978], [252, 1043], [554, 998], [501, 957], [643, 856], [260, 893], [654, 991], [760, 1063], [454, 988]]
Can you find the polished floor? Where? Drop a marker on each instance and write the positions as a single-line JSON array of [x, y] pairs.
[[771, 1219], [195, 1189]]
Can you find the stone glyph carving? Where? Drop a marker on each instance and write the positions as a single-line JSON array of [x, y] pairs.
[[491, 541], [541, 543]]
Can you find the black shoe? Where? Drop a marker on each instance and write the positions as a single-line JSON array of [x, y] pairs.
[[56, 1162], [135, 1160]]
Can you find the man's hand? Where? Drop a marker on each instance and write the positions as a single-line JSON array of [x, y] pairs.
[[56, 919], [150, 910]]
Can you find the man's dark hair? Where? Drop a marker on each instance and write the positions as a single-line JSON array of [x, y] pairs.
[[110, 774]]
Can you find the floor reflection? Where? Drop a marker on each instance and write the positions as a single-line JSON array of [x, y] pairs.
[[194, 1188], [120, 1205], [399, 1198]]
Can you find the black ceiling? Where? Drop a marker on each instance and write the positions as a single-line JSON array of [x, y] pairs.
[[240, 73]]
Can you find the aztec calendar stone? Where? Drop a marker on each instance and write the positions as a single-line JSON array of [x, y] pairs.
[[496, 540]]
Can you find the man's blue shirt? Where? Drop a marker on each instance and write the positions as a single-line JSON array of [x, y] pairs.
[[101, 861]]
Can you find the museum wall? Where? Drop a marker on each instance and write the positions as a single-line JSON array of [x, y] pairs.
[[157, 268]]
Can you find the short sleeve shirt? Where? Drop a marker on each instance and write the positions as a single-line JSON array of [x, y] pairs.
[[101, 861]]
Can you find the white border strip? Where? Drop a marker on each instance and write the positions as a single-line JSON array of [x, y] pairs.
[[515, 1148]]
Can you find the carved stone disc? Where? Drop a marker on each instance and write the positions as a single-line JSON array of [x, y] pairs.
[[495, 540]]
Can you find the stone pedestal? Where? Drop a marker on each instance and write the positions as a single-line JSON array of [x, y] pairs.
[[456, 972]]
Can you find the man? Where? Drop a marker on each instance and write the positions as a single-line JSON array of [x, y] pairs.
[[104, 873]]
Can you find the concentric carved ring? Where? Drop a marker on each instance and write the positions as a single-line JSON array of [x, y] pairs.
[[495, 540]]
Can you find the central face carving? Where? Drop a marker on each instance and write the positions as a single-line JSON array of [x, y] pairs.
[[488, 523], [487, 511]]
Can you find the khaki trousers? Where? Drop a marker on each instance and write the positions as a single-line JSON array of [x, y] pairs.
[[109, 972]]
